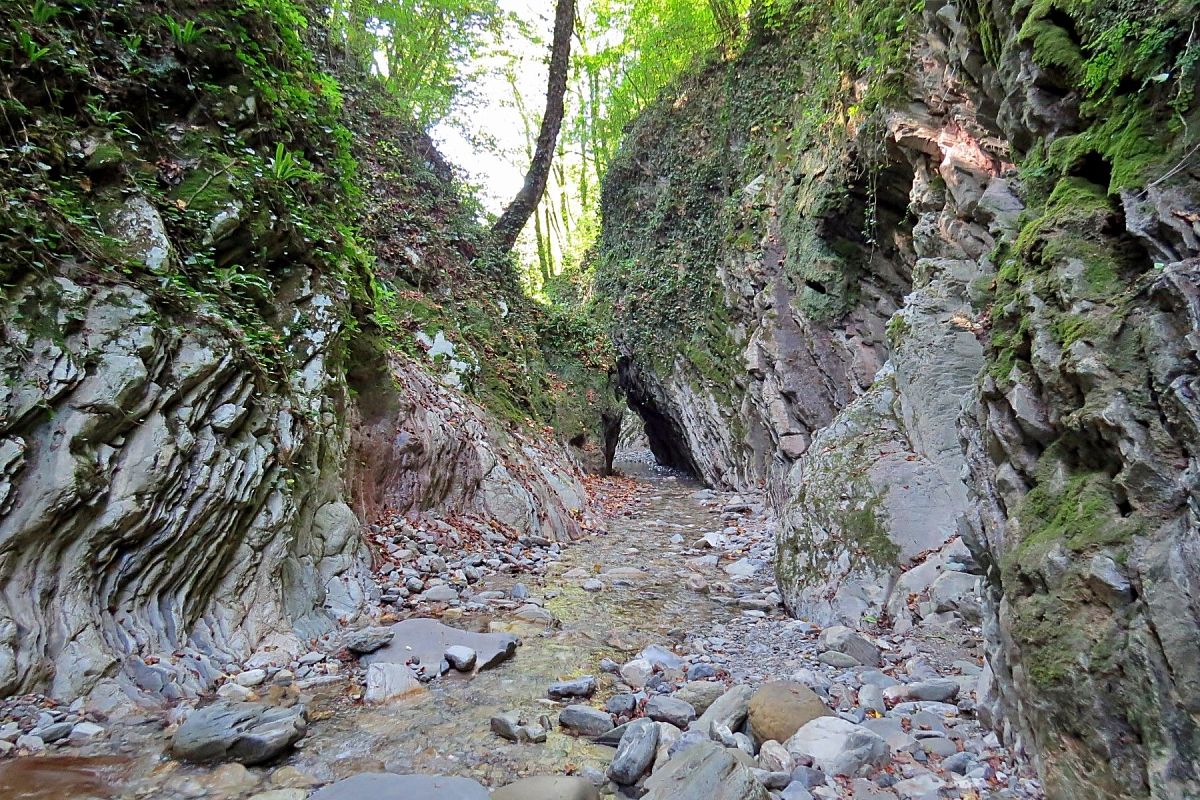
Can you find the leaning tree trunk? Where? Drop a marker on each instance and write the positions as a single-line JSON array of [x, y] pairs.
[[509, 226]]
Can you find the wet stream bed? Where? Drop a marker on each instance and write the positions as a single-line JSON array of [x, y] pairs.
[[644, 601]]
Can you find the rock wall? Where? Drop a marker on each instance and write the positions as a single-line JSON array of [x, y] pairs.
[[218, 363], [1025, 455]]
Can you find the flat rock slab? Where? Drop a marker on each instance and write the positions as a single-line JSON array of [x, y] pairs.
[[428, 639], [386, 786], [704, 771], [249, 733], [548, 787]]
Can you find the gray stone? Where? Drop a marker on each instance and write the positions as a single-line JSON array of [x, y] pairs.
[[249, 733], [368, 640], [440, 594], [838, 747], [507, 725], [730, 710], [387, 681], [386, 786], [704, 771], [635, 753], [663, 708], [841, 639], [427, 640], [461, 657], [585, 720], [700, 694], [636, 672], [584, 686]]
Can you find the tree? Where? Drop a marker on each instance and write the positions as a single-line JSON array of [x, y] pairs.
[[514, 218]]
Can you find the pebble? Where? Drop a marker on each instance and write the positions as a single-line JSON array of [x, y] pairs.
[[585, 720]]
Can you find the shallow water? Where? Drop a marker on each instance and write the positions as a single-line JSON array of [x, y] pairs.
[[446, 730]]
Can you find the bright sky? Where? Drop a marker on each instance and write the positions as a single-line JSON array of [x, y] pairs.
[[499, 171]]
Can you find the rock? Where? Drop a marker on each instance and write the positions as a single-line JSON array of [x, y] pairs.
[[635, 753], [292, 778], [546, 787], [730, 710], [249, 733], [386, 786], [461, 657], [234, 692], [795, 791], [837, 747], [668, 735], [959, 763], [955, 591], [55, 732], [592, 585], [841, 639], [280, 794], [576, 687], [387, 681], [870, 698], [700, 670], [440, 594], [623, 703], [231, 780], [661, 658], [743, 567], [251, 678], [939, 690], [780, 708], [534, 614], [30, 743], [704, 771], [839, 660], [585, 720], [774, 757], [428, 639], [368, 640], [700, 694], [84, 732], [636, 672], [920, 787], [507, 725], [663, 708]]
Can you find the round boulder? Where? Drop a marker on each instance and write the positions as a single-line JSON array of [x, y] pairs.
[[780, 708]]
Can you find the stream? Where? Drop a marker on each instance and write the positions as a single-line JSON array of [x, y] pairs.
[[644, 601]]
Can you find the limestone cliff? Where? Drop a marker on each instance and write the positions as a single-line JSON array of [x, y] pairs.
[[986, 209], [230, 285]]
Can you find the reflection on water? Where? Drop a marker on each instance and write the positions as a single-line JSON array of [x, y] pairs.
[[62, 777]]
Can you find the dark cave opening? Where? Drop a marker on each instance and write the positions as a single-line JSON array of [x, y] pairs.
[[667, 441]]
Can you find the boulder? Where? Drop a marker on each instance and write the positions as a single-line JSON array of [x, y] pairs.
[[368, 640], [635, 753], [386, 786], [780, 708], [840, 639], [704, 771], [730, 710], [700, 694], [663, 708], [837, 747], [585, 720], [249, 733]]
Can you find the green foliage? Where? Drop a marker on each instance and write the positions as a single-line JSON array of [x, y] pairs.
[[420, 49], [286, 166], [184, 34]]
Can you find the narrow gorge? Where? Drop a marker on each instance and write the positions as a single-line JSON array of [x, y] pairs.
[[853, 457]]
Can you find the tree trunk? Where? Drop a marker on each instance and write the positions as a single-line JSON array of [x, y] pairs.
[[509, 226]]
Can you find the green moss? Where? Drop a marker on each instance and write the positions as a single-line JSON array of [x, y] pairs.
[[1130, 139], [1053, 46], [1071, 328]]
